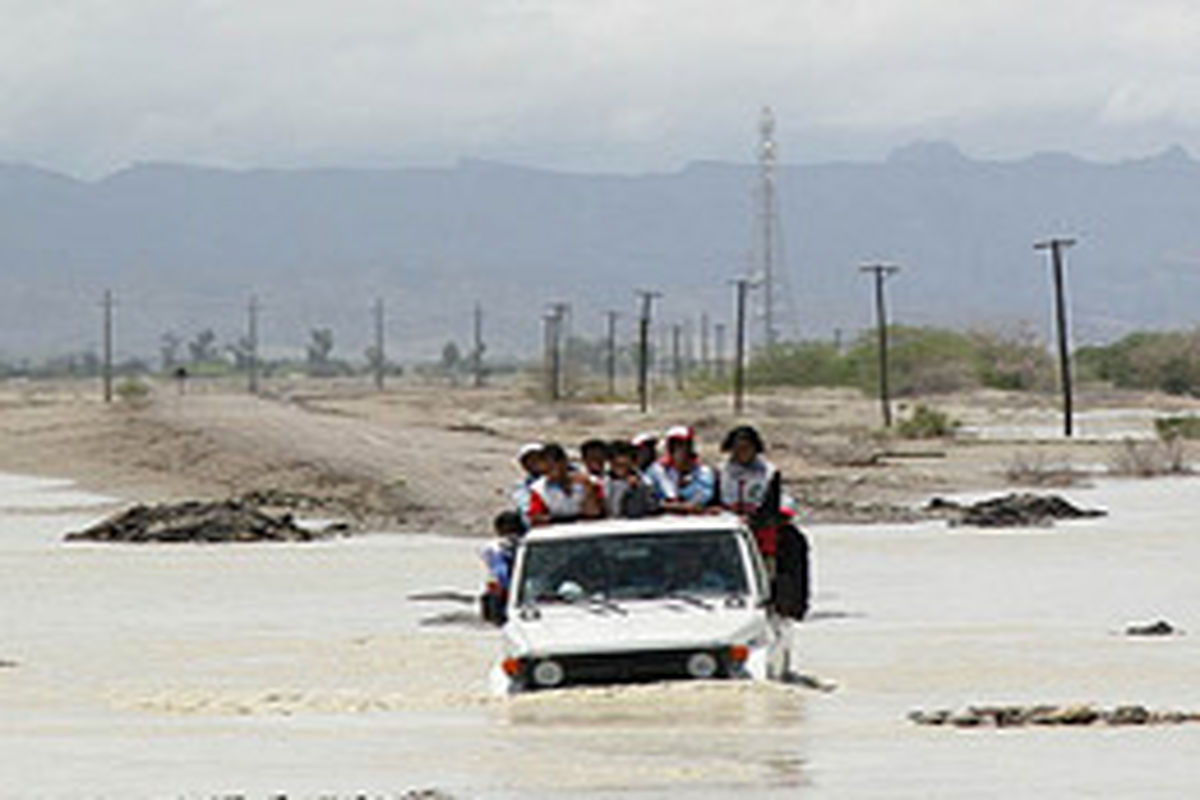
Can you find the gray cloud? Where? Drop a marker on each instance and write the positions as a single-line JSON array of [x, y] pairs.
[[90, 85]]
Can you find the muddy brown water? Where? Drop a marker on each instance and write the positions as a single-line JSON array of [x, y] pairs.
[[194, 671]]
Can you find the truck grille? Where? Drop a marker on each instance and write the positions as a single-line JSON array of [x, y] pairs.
[[630, 667]]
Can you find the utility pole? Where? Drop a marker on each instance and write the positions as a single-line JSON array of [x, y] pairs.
[[677, 356], [647, 297], [477, 352], [561, 347], [882, 272], [612, 352], [705, 361], [739, 359], [380, 360], [1056, 247], [252, 343], [108, 346], [552, 322], [719, 348]]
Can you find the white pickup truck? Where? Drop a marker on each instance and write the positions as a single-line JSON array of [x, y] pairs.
[[640, 600]]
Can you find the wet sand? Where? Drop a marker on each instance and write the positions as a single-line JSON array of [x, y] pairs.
[[194, 671]]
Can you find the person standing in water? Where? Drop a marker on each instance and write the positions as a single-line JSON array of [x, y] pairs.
[[752, 487]]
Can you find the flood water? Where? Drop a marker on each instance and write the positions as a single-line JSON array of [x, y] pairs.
[[304, 669]]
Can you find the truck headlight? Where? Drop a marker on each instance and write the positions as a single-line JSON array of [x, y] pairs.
[[548, 673], [702, 665]]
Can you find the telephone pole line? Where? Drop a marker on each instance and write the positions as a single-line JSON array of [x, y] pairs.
[[882, 272], [108, 346], [677, 356], [719, 348], [558, 319], [647, 298], [550, 324], [378, 354], [612, 352], [1056, 246], [477, 352], [252, 343], [742, 286]]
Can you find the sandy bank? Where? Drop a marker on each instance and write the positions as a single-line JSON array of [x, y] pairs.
[[431, 457]]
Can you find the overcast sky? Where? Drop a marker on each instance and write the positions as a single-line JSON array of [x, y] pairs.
[[88, 86]]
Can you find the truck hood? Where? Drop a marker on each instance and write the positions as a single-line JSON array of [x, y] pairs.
[[645, 625]]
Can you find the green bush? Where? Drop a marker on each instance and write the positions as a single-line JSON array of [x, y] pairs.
[[921, 361], [1166, 361], [801, 364], [1181, 427], [927, 423], [132, 391]]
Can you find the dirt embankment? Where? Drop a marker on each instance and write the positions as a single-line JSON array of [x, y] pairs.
[[279, 453], [423, 457]]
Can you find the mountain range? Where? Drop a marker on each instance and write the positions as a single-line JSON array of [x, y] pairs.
[[184, 247]]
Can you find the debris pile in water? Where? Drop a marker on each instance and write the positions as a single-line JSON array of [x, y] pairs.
[[1078, 715], [1159, 628], [1012, 511], [202, 522]]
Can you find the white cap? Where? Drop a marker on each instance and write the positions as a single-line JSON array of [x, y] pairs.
[[528, 449], [680, 432], [645, 437]]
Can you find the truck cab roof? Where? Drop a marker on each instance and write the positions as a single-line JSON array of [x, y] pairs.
[[664, 524]]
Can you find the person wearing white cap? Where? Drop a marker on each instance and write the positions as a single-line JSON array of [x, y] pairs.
[[685, 484], [646, 443], [532, 462]]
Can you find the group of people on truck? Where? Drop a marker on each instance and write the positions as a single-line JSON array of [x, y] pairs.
[[630, 479]]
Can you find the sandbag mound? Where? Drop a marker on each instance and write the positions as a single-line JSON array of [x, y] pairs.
[[1013, 511], [196, 521]]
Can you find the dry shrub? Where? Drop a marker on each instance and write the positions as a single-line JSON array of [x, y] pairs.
[[1035, 469], [1148, 459]]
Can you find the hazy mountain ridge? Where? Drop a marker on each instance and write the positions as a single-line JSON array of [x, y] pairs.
[[184, 246]]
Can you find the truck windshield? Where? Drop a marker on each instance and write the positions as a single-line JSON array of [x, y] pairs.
[[637, 566]]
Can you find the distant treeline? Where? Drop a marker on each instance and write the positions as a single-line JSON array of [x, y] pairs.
[[1168, 361], [932, 360], [921, 361]]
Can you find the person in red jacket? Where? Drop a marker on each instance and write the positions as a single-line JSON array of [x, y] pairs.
[[563, 494]]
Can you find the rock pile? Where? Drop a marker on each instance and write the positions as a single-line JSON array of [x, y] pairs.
[[201, 522], [1021, 716], [1159, 628], [1011, 511]]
